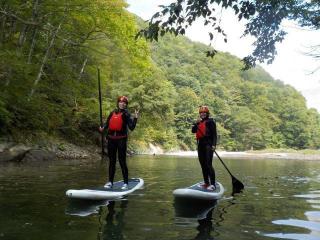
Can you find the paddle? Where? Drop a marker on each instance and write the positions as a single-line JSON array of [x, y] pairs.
[[100, 107], [236, 184]]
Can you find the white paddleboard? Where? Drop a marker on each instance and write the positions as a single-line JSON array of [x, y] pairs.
[[197, 192], [101, 193]]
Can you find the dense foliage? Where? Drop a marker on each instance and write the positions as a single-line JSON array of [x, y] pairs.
[[49, 54], [251, 109]]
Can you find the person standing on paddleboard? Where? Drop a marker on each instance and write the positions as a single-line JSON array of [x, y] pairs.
[[117, 124], [206, 134]]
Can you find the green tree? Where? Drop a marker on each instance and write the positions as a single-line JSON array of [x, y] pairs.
[[263, 21]]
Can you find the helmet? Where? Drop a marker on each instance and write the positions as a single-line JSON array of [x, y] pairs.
[[123, 99], [203, 109]]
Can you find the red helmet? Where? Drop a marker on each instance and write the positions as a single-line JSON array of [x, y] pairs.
[[203, 109], [123, 99]]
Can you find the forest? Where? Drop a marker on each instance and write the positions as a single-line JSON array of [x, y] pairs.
[[49, 55]]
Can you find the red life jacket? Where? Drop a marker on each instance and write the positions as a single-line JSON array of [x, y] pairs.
[[201, 131], [115, 122]]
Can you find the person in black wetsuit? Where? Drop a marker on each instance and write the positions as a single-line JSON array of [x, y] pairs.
[[117, 124], [206, 134]]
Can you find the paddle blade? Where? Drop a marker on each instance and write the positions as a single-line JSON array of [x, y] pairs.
[[237, 186]]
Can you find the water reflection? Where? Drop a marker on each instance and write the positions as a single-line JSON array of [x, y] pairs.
[[83, 208], [114, 221], [41, 209], [192, 209], [205, 227], [187, 212], [113, 225]]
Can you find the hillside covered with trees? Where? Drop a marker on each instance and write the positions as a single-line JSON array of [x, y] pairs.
[[252, 109], [49, 54]]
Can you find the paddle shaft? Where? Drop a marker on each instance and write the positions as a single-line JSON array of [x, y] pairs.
[[236, 184], [223, 163], [100, 108]]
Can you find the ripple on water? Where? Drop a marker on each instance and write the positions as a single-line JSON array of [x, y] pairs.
[[313, 215], [313, 226], [297, 179], [315, 191], [313, 201], [293, 236], [312, 223], [311, 195]]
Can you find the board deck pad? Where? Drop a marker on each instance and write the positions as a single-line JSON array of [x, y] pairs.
[[100, 193], [197, 192], [118, 185], [202, 189]]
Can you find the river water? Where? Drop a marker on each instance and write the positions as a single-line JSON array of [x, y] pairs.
[[281, 200]]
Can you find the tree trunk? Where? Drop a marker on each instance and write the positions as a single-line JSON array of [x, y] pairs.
[[8, 77], [22, 36], [82, 69], [44, 61], [3, 30], [33, 44], [35, 29], [13, 26]]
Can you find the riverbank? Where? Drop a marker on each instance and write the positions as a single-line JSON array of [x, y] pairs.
[[294, 155], [17, 152]]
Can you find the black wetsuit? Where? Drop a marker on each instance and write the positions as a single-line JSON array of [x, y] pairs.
[[205, 152], [117, 142]]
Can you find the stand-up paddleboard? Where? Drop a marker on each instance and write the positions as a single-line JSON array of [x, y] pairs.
[[101, 193], [197, 192]]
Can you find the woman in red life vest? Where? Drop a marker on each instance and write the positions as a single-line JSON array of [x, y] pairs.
[[206, 134], [117, 124]]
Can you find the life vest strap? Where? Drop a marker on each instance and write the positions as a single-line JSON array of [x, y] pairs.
[[117, 137]]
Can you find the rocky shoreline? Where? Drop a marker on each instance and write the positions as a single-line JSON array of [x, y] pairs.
[[15, 152]]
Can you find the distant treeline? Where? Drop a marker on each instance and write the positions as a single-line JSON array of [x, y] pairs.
[[49, 52]]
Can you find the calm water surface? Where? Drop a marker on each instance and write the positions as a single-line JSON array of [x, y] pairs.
[[281, 201]]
